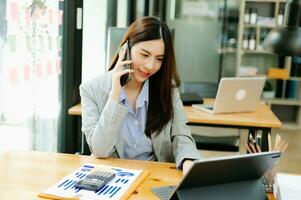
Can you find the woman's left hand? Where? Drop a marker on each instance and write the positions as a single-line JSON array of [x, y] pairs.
[[187, 165]]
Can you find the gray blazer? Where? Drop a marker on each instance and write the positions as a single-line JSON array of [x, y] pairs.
[[102, 119]]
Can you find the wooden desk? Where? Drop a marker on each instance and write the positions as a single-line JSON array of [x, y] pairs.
[[24, 174], [262, 119]]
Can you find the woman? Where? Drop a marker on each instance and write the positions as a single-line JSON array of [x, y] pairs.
[[145, 118]]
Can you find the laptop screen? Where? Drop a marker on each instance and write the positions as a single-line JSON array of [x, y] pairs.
[[238, 94]]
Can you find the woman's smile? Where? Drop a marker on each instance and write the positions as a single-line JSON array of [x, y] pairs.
[[143, 74]]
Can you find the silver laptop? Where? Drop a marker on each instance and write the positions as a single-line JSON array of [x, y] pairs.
[[237, 94]]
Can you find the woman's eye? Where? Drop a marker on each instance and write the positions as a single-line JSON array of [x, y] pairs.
[[144, 55]]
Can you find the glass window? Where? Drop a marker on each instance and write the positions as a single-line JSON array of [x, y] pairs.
[[30, 61]]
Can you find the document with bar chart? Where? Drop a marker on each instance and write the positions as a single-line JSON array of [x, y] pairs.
[[115, 189]]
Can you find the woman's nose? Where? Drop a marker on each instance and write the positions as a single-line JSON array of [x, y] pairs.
[[149, 64]]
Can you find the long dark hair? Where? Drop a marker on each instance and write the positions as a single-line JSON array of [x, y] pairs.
[[160, 108]]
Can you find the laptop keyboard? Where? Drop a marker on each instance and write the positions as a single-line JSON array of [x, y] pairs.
[[163, 192], [210, 107]]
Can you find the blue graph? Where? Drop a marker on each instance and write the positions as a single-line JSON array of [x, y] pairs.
[[124, 174]]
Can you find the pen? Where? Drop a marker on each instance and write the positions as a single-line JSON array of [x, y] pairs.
[[259, 139], [252, 146]]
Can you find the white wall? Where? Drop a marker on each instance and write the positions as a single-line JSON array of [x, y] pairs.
[[94, 22], [122, 7]]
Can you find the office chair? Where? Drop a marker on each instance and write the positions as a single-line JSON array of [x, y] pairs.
[[114, 37], [206, 141]]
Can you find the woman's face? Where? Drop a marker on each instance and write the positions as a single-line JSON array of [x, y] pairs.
[[147, 58]]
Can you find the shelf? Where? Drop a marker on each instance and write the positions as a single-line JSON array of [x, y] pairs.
[[286, 79], [288, 110], [258, 26], [283, 101], [261, 1], [227, 50], [256, 52]]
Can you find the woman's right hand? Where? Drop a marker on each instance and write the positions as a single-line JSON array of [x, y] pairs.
[[118, 71]]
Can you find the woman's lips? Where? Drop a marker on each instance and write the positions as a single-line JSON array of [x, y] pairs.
[[143, 74]]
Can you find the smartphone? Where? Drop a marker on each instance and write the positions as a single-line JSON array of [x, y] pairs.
[[124, 79]]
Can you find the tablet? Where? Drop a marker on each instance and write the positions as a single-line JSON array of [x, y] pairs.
[[243, 172]]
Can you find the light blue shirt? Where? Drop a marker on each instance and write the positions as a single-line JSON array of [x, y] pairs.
[[136, 144]]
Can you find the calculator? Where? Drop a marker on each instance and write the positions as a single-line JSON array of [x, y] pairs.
[[95, 180]]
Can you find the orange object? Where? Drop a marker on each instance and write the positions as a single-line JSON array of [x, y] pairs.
[[278, 73]]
